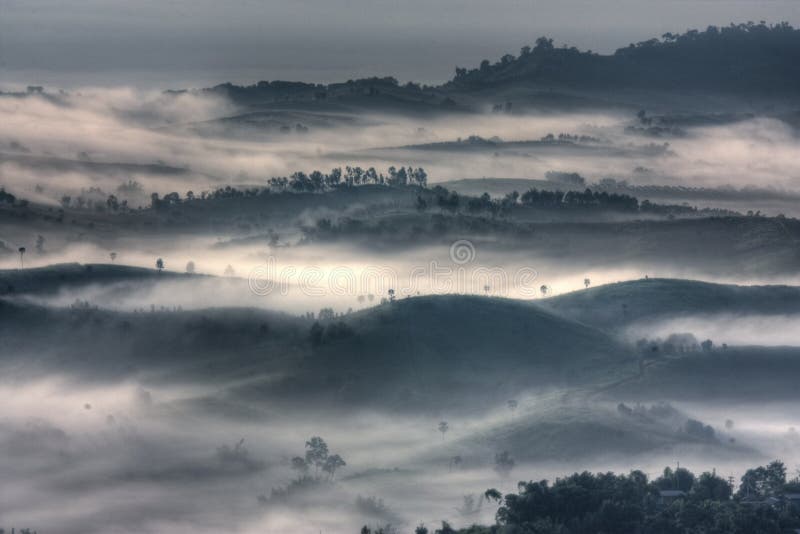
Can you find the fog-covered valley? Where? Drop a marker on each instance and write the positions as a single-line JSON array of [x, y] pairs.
[[356, 307]]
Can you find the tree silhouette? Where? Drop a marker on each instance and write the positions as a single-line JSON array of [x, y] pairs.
[[21, 251], [512, 405], [229, 271], [190, 267], [113, 256], [159, 264], [544, 290], [503, 463], [300, 465], [586, 283], [443, 428], [456, 461], [316, 452], [332, 463]]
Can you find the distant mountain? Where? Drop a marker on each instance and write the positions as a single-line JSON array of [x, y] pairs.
[[753, 60], [743, 58]]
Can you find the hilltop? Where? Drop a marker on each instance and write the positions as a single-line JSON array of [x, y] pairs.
[[613, 306]]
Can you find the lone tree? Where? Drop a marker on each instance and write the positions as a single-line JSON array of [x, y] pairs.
[[190, 267], [512, 405], [544, 290], [160, 264], [391, 295], [443, 428], [113, 256], [586, 283], [21, 254]]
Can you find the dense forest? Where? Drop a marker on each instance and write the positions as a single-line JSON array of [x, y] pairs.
[[677, 502]]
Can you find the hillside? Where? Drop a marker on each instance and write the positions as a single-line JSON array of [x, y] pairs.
[[613, 306], [50, 279], [461, 349], [418, 353], [745, 58], [731, 375], [739, 60]]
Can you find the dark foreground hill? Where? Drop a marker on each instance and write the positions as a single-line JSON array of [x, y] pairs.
[[614, 306], [429, 351], [422, 353]]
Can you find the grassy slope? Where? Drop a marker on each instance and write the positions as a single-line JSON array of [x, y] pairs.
[[736, 374], [427, 349], [602, 306], [416, 354]]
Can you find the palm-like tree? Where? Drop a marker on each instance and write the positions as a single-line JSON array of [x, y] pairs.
[[21, 251], [443, 428]]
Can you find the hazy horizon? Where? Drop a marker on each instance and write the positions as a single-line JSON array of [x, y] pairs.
[[76, 44]]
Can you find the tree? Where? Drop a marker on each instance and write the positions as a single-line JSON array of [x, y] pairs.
[[710, 487], [443, 428], [586, 282], [764, 481], [503, 463], [190, 267], [21, 251], [229, 271], [544, 290], [707, 345], [681, 479], [512, 405], [113, 256], [159, 264], [332, 463], [315, 334], [316, 452], [391, 295], [300, 465]]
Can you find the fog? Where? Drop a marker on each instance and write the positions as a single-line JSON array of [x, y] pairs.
[[134, 458], [731, 329], [82, 140], [163, 365]]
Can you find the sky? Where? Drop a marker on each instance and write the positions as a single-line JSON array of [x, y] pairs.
[[193, 43]]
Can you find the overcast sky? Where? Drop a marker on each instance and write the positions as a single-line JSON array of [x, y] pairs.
[[171, 43]]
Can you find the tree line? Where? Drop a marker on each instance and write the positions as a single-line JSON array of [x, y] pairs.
[[676, 502]]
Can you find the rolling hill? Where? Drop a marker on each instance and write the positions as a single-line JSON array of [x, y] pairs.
[[50, 279], [417, 354], [614, 306]]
